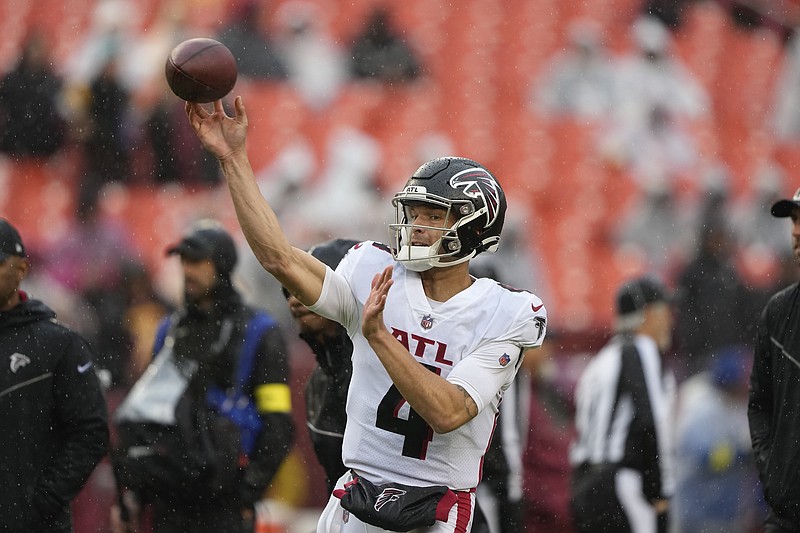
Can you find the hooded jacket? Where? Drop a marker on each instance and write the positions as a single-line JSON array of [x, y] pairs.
[[53, 418], [213, 339]]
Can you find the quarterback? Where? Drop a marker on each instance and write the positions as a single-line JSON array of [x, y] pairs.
[[433, 347]]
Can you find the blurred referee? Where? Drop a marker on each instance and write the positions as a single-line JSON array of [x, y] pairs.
[[622, 474]]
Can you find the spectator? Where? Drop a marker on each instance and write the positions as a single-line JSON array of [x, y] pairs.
[[343, 196], [53, 412], [717, 482], [245, 36], [656, 104], [143, 309], [105, 145], [658, 150], [96, 278], [652, 77], [157, 154], [97, 99], [379, 53], [317, 64], [30, 122], [114, 26], [209, 329], [174, 159], [786, 114], [713, 298], [622, 457], [579, 81], [656, 228], [773, 401]]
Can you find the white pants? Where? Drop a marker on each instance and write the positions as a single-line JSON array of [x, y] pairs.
[[336, 519], [641, 514]]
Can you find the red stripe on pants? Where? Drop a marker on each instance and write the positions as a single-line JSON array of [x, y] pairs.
[[464, 511]]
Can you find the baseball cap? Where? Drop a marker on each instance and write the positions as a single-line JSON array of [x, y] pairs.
[[783, 208], [635, 295], [207, 239], [10, 241]]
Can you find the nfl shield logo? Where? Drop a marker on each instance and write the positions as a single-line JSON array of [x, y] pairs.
[[504, 359], [426, 322]]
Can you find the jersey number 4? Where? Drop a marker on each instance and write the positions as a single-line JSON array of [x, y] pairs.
[[415, 429]]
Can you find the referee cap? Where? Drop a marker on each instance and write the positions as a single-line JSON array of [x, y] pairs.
[[783, 208], [634, 296]]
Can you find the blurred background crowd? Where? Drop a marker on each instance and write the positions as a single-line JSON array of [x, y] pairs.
[[630, 136]]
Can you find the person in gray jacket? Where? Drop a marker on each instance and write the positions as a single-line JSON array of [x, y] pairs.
[[52, 409]]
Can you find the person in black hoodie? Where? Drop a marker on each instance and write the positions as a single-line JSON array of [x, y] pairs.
[[774, 403], [326, 388], [210, 329], [52, 411]]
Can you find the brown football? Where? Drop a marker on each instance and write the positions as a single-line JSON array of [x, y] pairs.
[[201, 70]]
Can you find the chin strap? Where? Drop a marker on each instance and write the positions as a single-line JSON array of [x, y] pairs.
[[422, 258], [417, 258]]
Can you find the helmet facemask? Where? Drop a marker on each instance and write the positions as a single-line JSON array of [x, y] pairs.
[[470, 195], [446, 250]]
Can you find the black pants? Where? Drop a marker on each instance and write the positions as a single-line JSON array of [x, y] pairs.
[[215, 516], [595, 506], [775, 524], [328, 449]]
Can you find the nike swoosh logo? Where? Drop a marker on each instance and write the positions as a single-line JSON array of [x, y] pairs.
[[536, 307], [84, 367]]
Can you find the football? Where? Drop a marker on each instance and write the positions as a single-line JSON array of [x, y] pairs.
[[201, 70]]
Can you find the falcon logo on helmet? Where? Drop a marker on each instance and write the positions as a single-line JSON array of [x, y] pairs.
[[474, 203], [479, 184]]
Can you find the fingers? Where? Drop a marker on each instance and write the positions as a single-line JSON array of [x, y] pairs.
[[241, 116], [195, 110], [383, 280], [381, 284]]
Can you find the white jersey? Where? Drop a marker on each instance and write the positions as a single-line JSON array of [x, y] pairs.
[[474, 340]]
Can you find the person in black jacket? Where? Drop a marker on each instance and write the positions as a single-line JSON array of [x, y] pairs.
[[210, 330], [326, 388], [774, 403], [52, 410]]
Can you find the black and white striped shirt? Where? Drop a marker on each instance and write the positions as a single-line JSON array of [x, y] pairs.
[[624, 413]]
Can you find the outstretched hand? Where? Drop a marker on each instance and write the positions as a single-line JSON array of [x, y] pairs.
[[221, 135], [372, 320]]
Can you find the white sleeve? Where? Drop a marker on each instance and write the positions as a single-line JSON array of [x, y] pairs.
[[484, 373], [337, 302]]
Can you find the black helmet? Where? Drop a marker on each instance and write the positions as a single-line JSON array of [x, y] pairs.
[[333, 251], [207, 239], [465, 188], [329, 252]]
